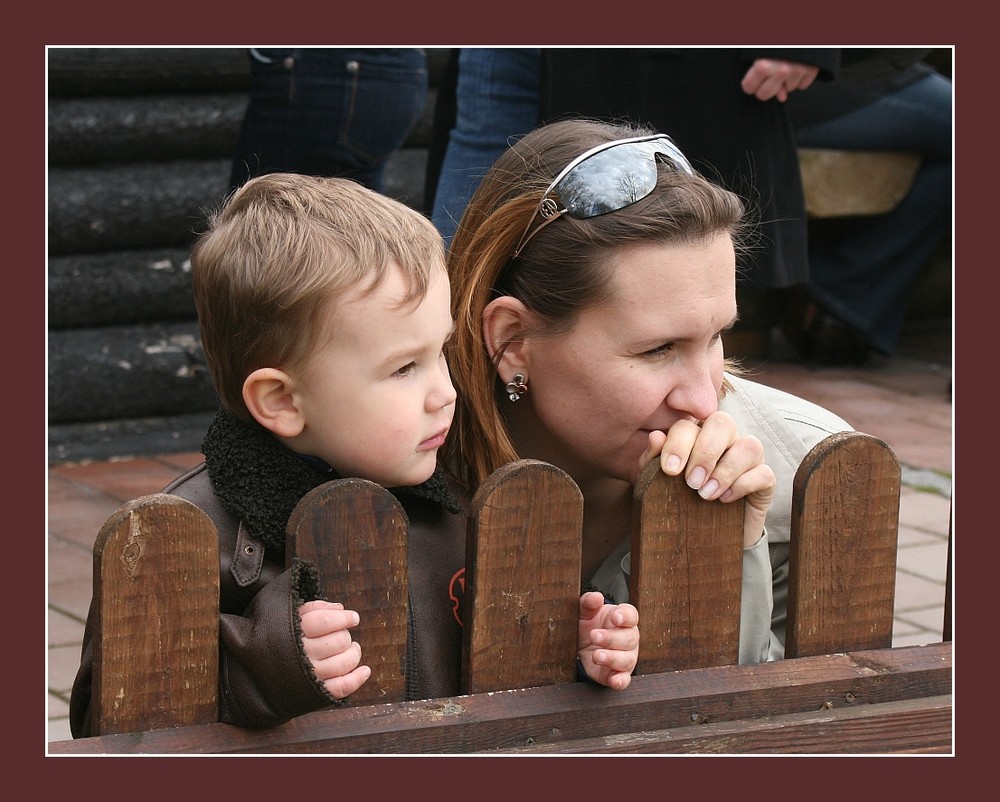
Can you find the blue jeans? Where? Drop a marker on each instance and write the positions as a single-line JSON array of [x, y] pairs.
[[862, 269], [496, 97], [329, 111]]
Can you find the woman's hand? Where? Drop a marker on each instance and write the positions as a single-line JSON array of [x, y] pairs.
[[719, 464]]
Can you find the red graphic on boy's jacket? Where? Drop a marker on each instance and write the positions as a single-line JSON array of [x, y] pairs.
[[456, 592]]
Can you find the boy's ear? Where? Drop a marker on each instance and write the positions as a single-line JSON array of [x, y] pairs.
[[505, 321], [270, 396]]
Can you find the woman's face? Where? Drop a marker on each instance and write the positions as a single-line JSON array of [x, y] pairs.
[[649, 357]]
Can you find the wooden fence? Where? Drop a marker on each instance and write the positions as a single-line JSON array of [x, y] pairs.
[[841, 688]]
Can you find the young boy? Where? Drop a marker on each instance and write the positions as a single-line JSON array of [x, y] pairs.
[[324, 309]]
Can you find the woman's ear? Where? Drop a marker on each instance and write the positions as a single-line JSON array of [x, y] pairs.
[[270, 396], [505, 322]]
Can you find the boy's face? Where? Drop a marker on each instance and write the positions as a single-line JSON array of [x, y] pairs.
[[376, 396]]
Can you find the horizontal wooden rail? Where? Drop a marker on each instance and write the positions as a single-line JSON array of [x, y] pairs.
[[876, 701]]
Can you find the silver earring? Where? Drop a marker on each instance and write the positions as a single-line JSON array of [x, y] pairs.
[[516, 387]]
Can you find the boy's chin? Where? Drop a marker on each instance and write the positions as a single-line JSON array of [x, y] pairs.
[[415, 477]]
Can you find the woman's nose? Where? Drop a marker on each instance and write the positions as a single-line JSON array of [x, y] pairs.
[[696, 394]]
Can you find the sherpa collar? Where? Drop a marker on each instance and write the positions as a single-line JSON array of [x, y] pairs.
[[260, 480]]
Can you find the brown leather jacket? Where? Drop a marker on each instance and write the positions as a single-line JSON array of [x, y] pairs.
[[264, 676]]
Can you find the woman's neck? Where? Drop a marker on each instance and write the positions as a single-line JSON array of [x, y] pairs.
[[607, 502], [607, 519]]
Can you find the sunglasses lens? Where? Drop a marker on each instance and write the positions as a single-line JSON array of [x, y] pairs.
[[609, 180], [605, 179]]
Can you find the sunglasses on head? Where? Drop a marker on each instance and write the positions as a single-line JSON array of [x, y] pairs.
[[605, 179]]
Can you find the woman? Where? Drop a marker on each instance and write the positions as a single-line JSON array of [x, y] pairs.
[[594, 278]]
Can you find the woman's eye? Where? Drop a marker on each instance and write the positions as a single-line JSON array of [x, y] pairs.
[[660, 350], [668, 348]]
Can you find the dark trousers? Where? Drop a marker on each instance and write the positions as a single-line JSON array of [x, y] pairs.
[[329, 111]]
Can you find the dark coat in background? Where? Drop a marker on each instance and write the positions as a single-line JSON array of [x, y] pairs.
[[694, 95]]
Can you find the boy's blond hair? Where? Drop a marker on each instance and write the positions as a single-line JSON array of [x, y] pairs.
[[277, 250]]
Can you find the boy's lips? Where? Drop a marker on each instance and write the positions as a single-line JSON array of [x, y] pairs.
[[433, 442]]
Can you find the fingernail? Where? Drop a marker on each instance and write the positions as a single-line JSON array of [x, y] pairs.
[[696, 478], [710, 487], [673, 463]]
